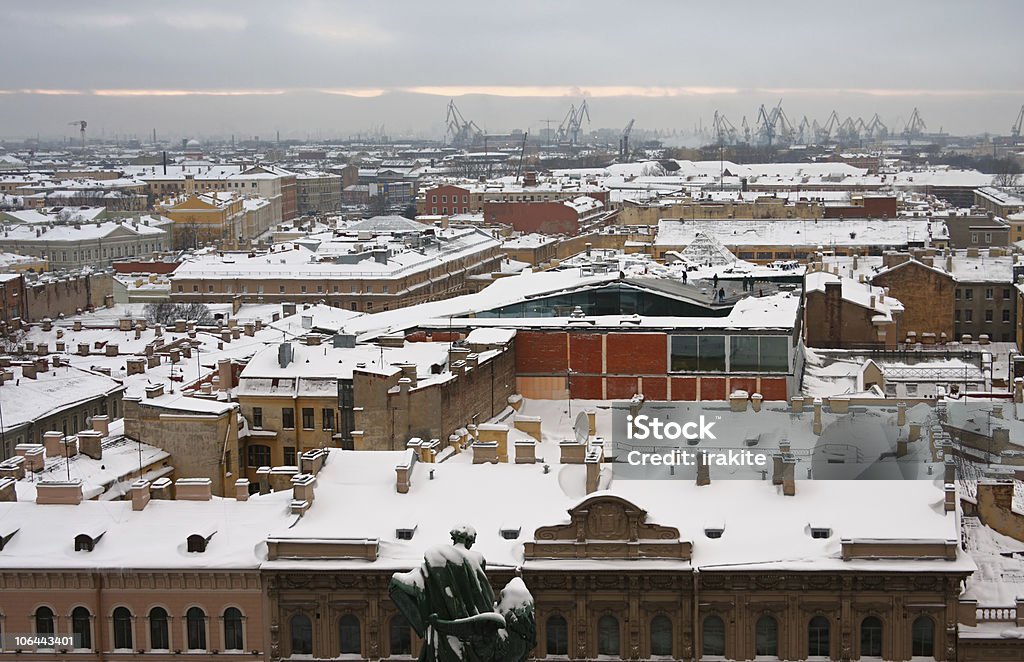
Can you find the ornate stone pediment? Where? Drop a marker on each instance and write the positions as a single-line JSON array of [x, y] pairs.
[[607, 526]]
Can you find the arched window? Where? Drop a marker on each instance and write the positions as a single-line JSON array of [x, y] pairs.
[[398, 635], [302, 635], [608, 635], [661, 635], [871, 637], [233, 630], [557, 632], [818, 631], [922, 636], [158, 633], [713, 636], [44, 620], [195, 625], [766, 636], [81, 627], [348, 634], [122, 628]]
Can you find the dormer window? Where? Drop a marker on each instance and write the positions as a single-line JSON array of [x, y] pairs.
[[5, 537], [405, 534], [509, 533], [197, 542], [86, 542], [820, 533], [714, 533]]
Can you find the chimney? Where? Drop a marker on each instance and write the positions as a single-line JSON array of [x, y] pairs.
[[303, 487], [263, 475], [154, 391], [788, 477], [28, 370], [192, 489], [53, 441], [312, 461], [140, 494], [242, 489], [949, 500], [7, 491], [101, 424], [592, 461], [13, 467], [225, 373], [63, 492], [703, 469], [136, 365], [161, 489], [817, 416], [755, 401], [89, 444], [34, 454], [284, 354], [901, 413]]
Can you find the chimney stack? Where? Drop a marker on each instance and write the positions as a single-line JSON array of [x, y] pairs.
[[140, 494]]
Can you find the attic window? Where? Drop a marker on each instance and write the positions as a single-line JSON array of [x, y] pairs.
[[197, 542], [405, 534], [714, 533], [820, 533], [85, 542], [510, 534]]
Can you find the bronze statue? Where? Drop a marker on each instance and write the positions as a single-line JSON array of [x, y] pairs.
[[449, 602]]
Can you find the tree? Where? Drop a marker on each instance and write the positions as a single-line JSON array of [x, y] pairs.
[[167, 313]]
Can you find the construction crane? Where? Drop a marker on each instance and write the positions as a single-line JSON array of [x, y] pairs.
[[745, 128], [915, 127], [569, 129], [804, 132], [725, 132], [824, 134], [773, 124], [1017, 126], [876, 129], [461, 132], [624, 142], [81, 124]]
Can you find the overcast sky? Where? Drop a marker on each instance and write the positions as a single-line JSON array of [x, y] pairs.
[[321, 68]]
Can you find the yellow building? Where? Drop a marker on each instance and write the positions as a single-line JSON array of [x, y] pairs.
[[215, 217]]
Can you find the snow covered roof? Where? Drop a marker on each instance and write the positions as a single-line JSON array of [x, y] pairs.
[[25, 400], [705, 249], [821, 232], [864, 295]]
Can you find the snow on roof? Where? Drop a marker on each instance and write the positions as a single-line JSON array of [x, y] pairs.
[[55, 214], [864, 295], [25, 400], [85, 231], [705, 249], [387, 224], [490, 336], [821, 232]]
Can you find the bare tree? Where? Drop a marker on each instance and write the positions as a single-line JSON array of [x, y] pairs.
[[167, 313]]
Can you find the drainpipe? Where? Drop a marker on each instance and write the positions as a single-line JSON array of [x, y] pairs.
[[97, 579], [695, 617]]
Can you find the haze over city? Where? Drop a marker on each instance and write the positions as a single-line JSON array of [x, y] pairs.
[[332, 69]]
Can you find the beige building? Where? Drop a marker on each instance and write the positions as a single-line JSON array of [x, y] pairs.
[[318, 192]]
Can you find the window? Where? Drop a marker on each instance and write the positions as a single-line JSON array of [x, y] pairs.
[[743, 352], [81, 627], [307, 418], [302, 289], [1006, 315], [44, 620], [974, 237], [557, 635], [302, 634], [817, 637], [608, 635], [713, 636], [871, 637], [766, 636], [661, 635], [348, 635], [969, 293], [774, 354], [195, 622], [259, 455], [233, 629], [820, 533], [288, 418], [399, 637], [257, 417], [989, 293], [988, 315], [280, 288], [327, 416], [289, 456], [968, 315], [158, 633], [988, 237], [922, 637], [1006, 293], [122, 628]]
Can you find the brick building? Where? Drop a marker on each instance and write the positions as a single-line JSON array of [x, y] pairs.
[[842, 312]]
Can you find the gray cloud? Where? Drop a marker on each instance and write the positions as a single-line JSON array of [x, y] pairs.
[[959, 61]]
